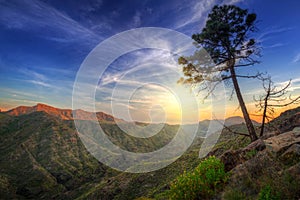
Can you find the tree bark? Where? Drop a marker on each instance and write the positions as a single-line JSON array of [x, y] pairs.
[[263, 120], [248, 121], [265, 112]]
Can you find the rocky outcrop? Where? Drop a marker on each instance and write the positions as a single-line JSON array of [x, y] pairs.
[[285, 146], [280, 143], [232, 158], [276, 165], [268, 135], [290, 123], [291, 155], [257, 145]]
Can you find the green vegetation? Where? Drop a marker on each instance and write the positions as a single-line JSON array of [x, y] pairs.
[[202, 182], [263, 177], [43, 158], [267, 193], [235, 195], [251, 154]]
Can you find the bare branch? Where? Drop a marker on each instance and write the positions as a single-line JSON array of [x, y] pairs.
[[235, 132], [230, 130], [272, 99]]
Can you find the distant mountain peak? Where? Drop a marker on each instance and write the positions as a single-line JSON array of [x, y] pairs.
[[237, 120], [64, 114]]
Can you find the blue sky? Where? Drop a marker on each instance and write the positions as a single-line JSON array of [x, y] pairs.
[[43, 43]]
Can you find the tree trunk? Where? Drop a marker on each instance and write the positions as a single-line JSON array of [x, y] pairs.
[[264, 118], [265, 110], [248, 121]]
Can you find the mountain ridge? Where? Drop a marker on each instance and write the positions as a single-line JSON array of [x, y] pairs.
[[68, 114], [64, 114]]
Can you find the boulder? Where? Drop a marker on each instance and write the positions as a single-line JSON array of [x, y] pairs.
[[292, 155], [289, 123], [269, 134], [296, 129], [257, 145], [245, 177], [280, 143], [232, 158], [295, 171]]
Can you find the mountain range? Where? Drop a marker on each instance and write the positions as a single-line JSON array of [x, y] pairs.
[[68, 114], [42, 157], [64, 114]]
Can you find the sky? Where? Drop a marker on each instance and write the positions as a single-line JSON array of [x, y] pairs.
[[44, 44]]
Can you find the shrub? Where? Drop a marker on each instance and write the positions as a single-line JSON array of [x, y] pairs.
[[250, 154], [202, 182], [234, 195], [267, 193], [143, 198]]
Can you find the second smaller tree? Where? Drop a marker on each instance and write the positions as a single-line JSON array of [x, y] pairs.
[[273, 98]]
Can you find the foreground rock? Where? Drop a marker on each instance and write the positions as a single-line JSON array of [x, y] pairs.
[[280, 143], [285, 122], [292, 155], [232, 158], [254, 168]]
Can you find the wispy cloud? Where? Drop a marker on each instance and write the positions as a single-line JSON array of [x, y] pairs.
[[122, 71], [232, 1], [197, 11], [275, 45], [296, 58], [37, 78], [41, 83], [271, 31], [137, 21], [91, 6], [38, 16], [33, 74], [295, 84], [10, 98], [13, 93], [267, 38]]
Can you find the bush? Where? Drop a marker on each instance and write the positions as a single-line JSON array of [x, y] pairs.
[[234, 195], [202, 182], [267, 193], [250, 154]]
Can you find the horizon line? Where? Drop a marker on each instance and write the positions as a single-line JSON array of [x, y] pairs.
[[146, 122]]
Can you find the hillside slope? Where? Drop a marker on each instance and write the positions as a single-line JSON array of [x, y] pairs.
[[42, 157]]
